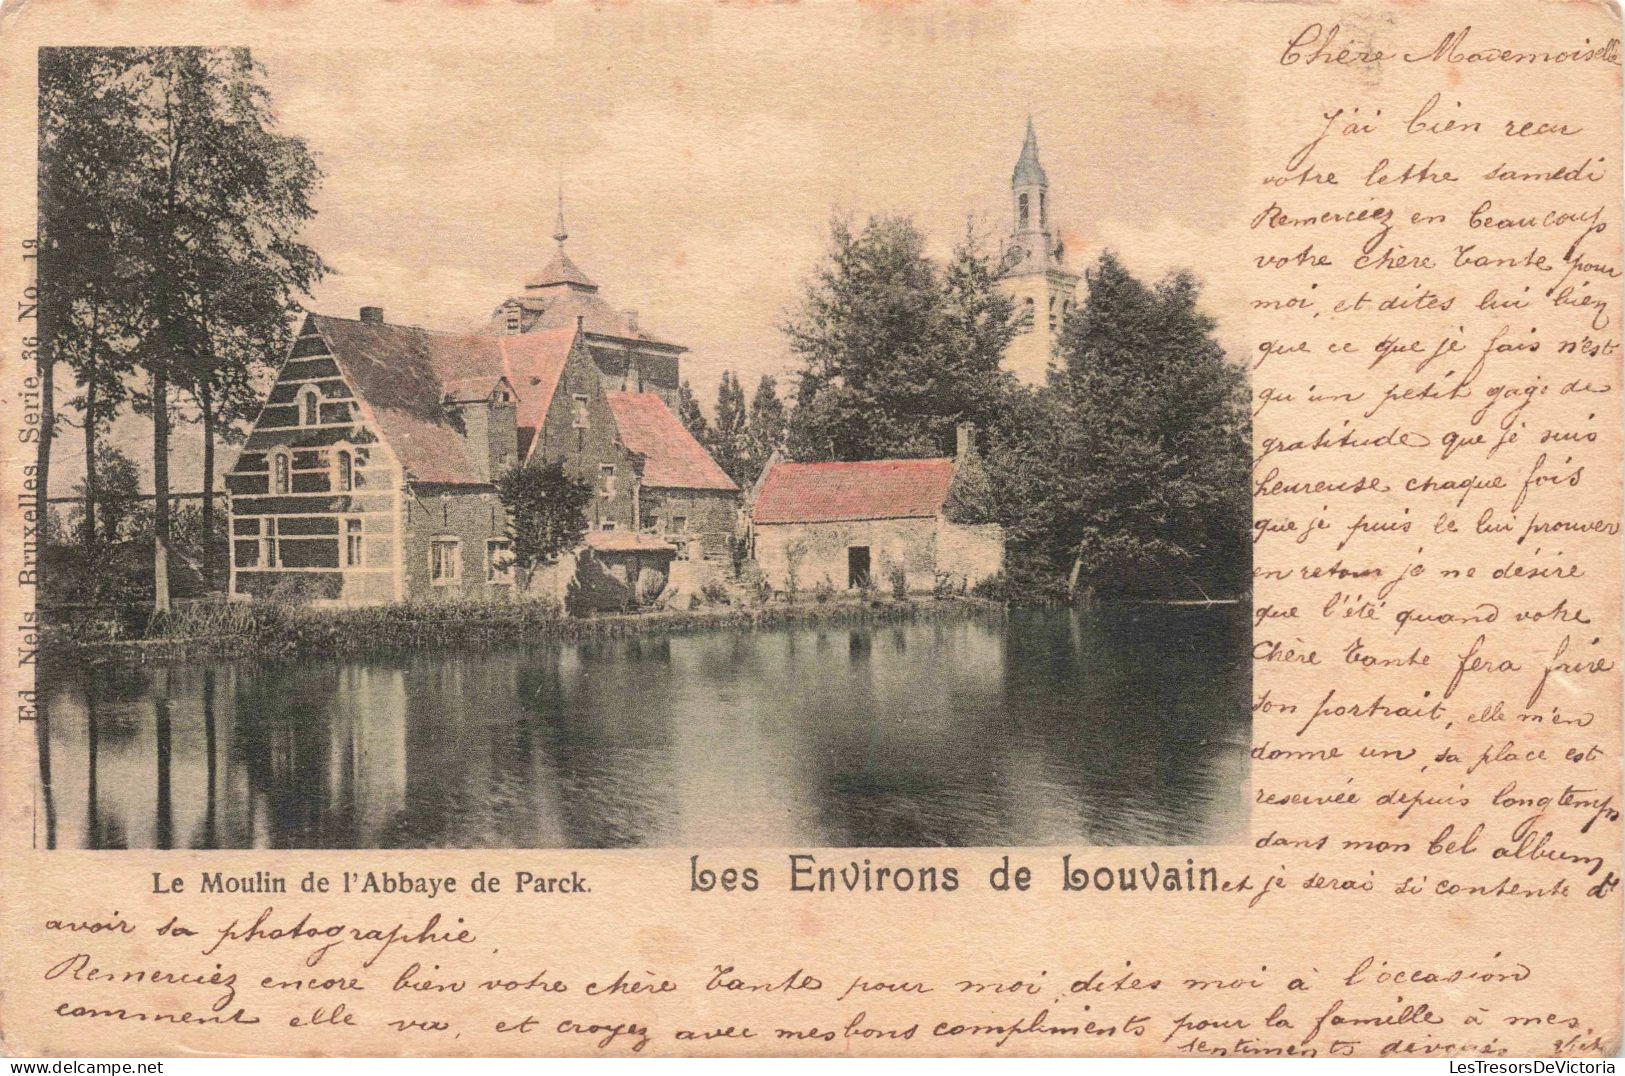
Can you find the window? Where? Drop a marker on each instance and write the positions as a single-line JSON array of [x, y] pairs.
[[607, 525], [1022, 213], [279, 473], [579, 411], [311, 407], [606, 479], [445, 561], [1025, 323], [269, 540], [346, 471], [1054, 316], [498, 561], [512, 322], [1043, 209], [679, 524], [352, 543]]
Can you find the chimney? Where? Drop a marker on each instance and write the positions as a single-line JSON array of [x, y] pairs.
[[632, 320], [581, 322], [965, 445], [372, 315]]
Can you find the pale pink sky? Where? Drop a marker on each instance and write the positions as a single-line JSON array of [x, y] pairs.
[[701, 162]]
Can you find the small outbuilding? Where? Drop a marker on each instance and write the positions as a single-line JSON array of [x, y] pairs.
[[859, 524]]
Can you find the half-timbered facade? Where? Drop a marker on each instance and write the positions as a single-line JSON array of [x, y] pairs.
[[369, 476]]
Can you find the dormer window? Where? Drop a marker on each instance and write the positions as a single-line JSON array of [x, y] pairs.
[[310, 407], [511, 323]]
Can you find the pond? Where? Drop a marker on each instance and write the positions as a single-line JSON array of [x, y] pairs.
[[1039, 727]]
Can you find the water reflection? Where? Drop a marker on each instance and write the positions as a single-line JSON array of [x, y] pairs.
[[1042, 728]]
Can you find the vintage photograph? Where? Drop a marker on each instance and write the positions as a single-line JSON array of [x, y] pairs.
[[458, 450]]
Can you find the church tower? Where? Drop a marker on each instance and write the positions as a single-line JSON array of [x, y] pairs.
[[1034, 270]]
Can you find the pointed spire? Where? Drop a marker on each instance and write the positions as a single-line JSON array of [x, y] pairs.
[[559, 234], [1028, 171]]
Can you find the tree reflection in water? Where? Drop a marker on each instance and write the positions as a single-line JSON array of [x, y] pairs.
[[1042, 727]]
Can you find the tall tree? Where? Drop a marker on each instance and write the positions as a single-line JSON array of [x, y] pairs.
[[689, 413], [1130, 472], [220, 199], [547, 511], [765, 427], [729, 442], [87, 145], [895, 349]]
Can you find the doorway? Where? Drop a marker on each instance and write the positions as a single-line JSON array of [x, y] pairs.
[[857, 566]]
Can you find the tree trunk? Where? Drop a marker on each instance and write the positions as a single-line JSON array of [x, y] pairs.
[[206, 405], [42, 491], [160, 487], [90, 465]]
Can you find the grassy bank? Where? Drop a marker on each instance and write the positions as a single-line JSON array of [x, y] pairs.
[[224, 631]]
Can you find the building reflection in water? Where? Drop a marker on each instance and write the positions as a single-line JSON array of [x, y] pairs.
[[1039, 728]]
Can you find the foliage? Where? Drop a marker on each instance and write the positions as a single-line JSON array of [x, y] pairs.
[[121, 515], [714, 592], [1129, 473], [896, 350], [547, 511], [688, 411], [766, 426], [170, 213], [823, 590], [729, 439]]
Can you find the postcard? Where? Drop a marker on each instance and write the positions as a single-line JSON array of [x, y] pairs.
[[814, 529]]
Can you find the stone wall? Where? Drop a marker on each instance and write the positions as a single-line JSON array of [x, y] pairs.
[[823, 548], [473, 516]]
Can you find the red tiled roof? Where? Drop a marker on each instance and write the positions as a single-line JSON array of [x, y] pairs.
[[471, 389], [868, 489], [672, 458], [558, 306], [402, 373]]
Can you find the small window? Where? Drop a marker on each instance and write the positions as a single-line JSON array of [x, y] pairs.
[[579, 411], [607, 525], [346, 471], [445, 561], [352, 543], [311, 407], [269, 540], [1022, 203], [498, 561], [1043, 209], [279, 468], [512, 322], [679, 524], [606, 480], [1025, 322]]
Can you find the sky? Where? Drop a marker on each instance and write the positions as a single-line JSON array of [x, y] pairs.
[[701, 156]]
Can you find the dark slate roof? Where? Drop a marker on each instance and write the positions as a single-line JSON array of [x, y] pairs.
[[1028, 170], [868, 489], [402, 374], [673, 459], [561, 270]]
